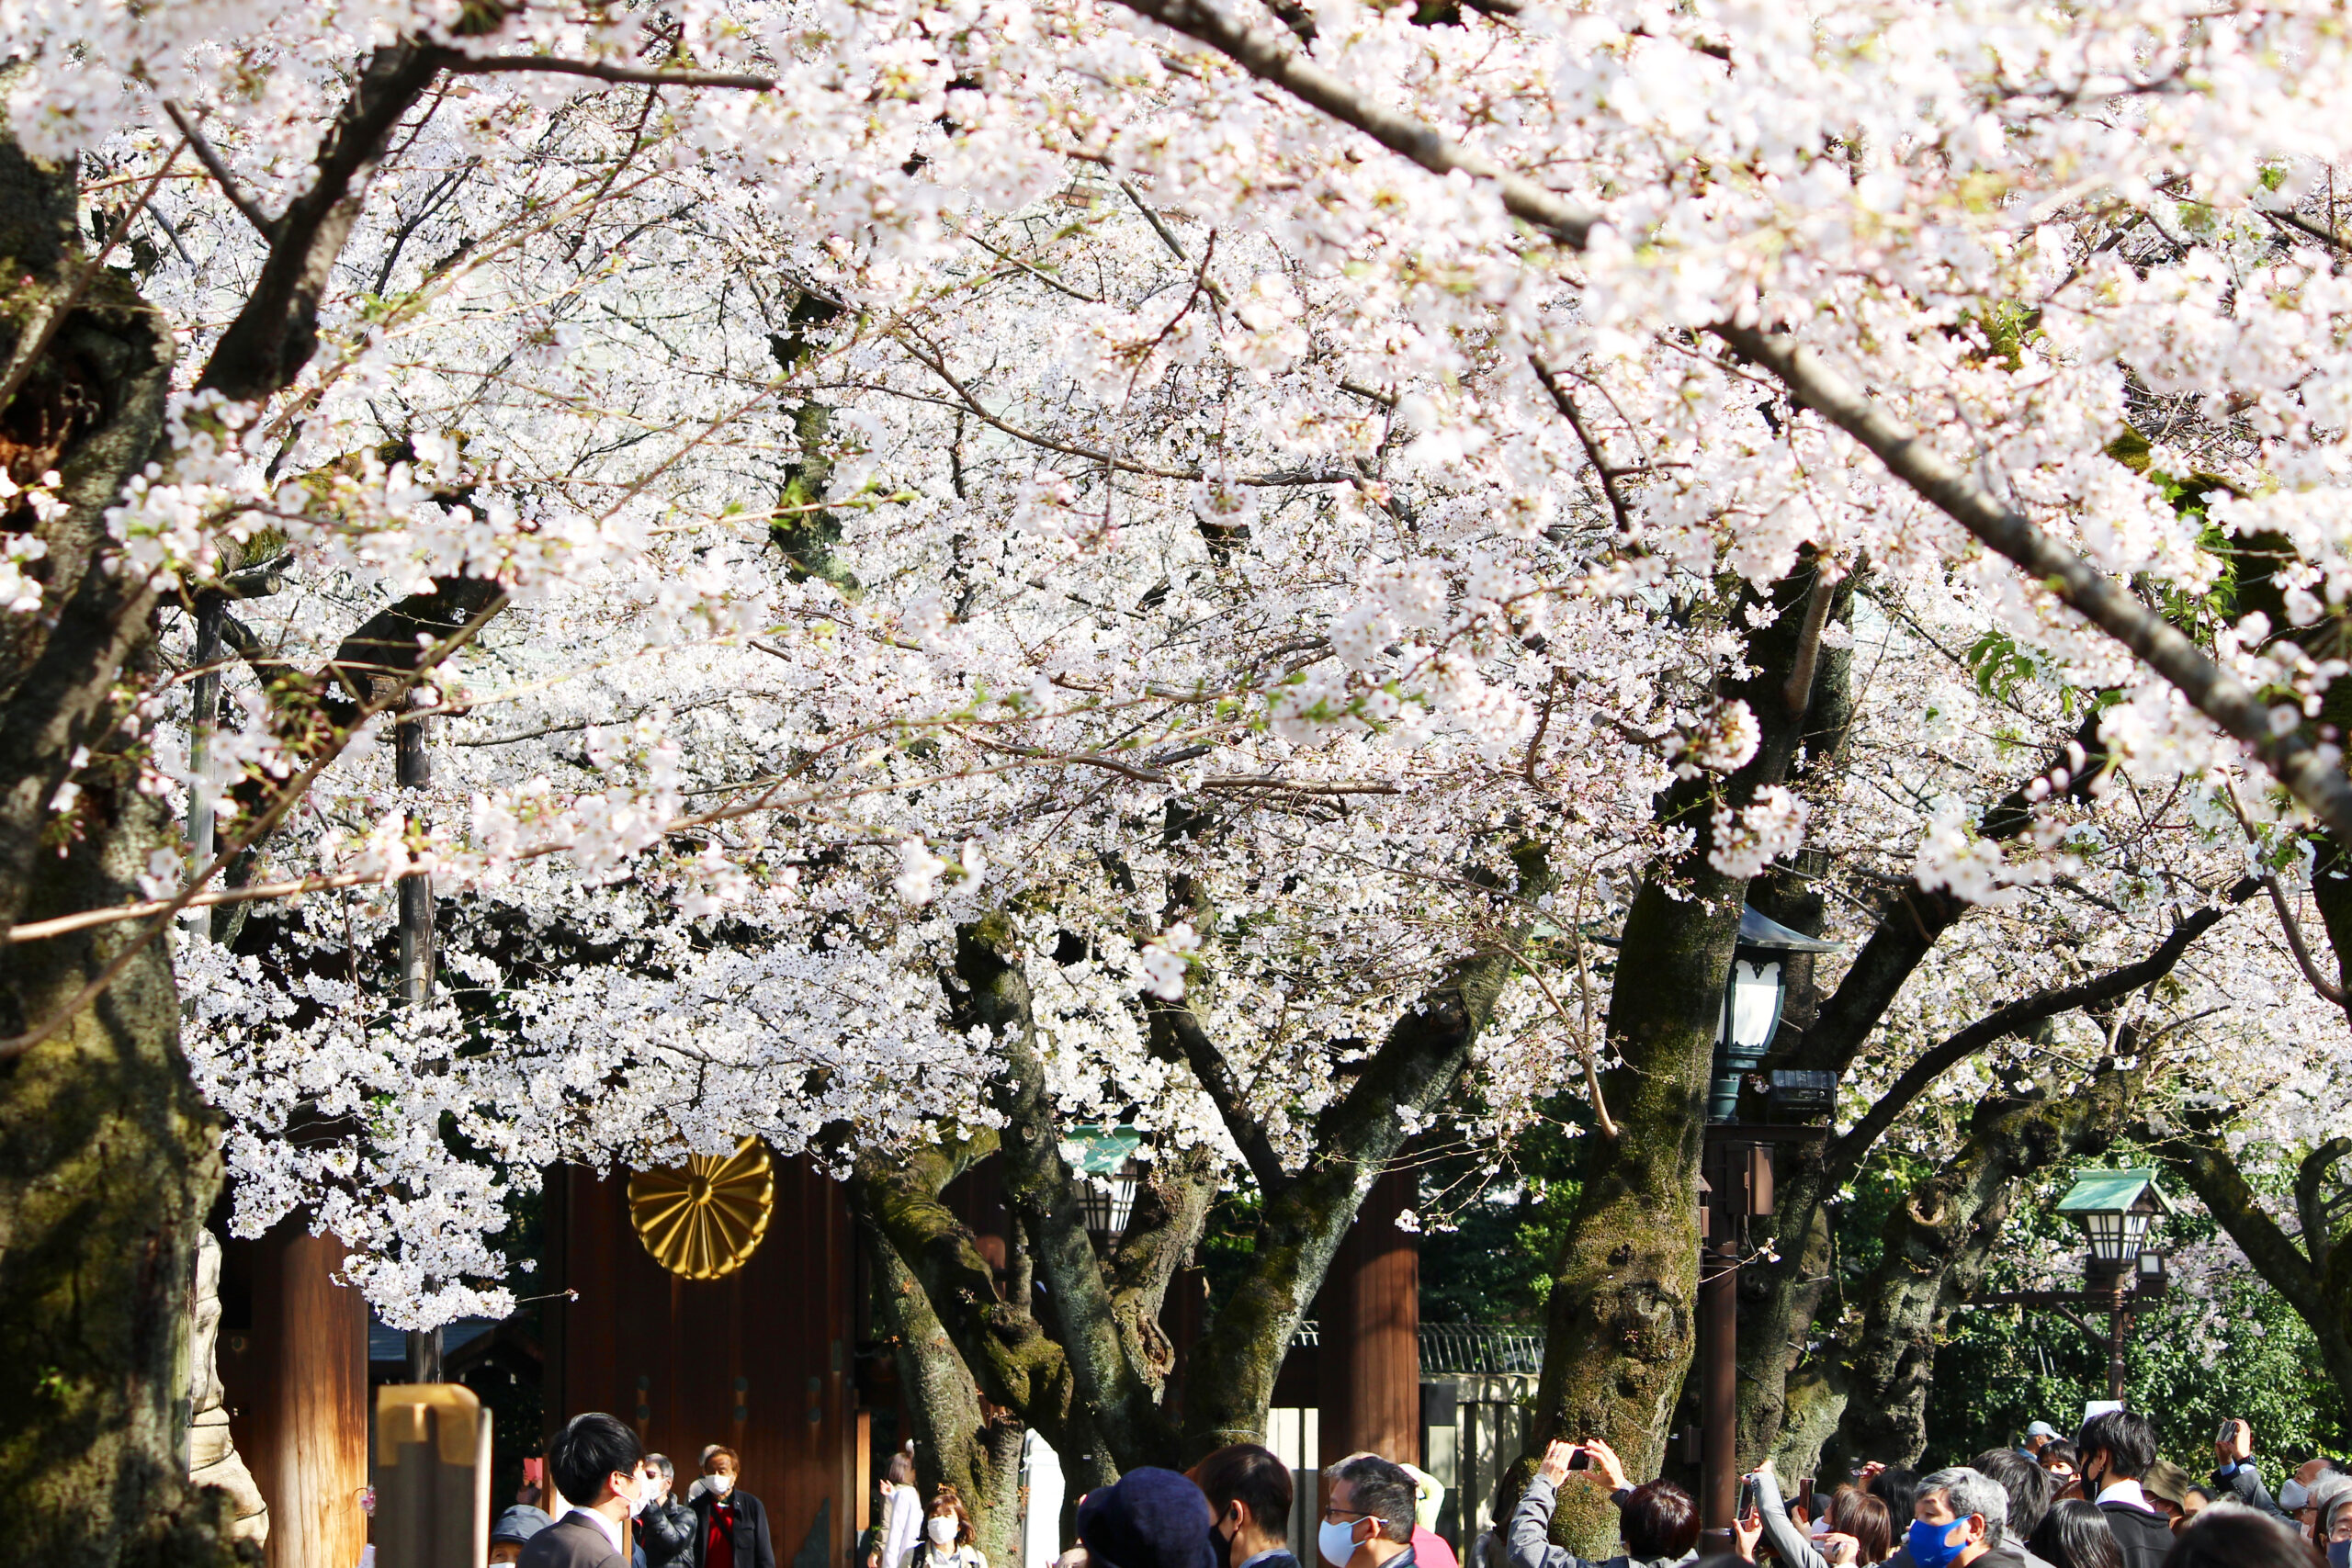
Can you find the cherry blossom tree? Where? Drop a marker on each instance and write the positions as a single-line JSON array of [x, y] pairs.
[[969, 566]]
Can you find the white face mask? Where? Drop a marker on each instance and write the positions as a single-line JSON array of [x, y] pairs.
[[644, 1496], [941, 1530], [1336, 1543], [721, 1483], [2293, 1495]]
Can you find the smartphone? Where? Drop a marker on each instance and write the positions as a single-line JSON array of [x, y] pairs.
[[1747, 1503], [2229, 1432], [1581, 1459]]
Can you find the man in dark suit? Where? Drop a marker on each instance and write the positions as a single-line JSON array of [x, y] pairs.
[[593, 1457], [2118, 1447], [731, 1527]]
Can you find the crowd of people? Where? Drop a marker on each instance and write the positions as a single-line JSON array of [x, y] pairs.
[[598, 1478], [2107, 1499]]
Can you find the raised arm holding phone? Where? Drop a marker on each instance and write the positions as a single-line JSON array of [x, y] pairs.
[[1660, 1521]]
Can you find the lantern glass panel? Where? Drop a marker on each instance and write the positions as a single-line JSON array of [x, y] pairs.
[[2107, 1234], [1755, 1003]]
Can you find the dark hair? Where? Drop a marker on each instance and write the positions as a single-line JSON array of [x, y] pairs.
[[1251, 1476], [588, 1450], [1898, 1488], [1865, 1518], [1382, 1491], [2239, 1538], [661, 1462], [2128, 1439], [2059, 1449], [2199, 1489], [902, 1469], [1659, 1520], [2028, 1487], [2075, 1535]]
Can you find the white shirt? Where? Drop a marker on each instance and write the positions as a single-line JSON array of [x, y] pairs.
[[612, 1531], [2124, 1492]]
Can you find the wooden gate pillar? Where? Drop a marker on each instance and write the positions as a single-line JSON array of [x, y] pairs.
[[318, 1427], [1369, 1322]]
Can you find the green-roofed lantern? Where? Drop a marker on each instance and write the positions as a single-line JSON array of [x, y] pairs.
[[2114, 1207], [1110, 1159]]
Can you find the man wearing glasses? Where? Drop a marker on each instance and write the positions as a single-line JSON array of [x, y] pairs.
[[1369, 1522]]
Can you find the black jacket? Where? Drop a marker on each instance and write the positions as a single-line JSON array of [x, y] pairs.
[[2144, 1534], [751, 1533], [666, 1531]]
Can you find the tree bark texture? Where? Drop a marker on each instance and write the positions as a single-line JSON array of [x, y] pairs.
[[1624, 1291], [1229, 1380], [1939, 1242], [1779, 1294], [107, 1160]]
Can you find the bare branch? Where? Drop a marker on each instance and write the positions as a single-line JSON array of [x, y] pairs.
[[2286, 921], [603, 70], [1618, 505], [214, 165], [2018, 1016], [2314, 777], [1269, 57]]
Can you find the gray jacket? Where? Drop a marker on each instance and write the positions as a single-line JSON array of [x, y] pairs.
[[2244, 1482], [1788, 1544], [1531, 1537]]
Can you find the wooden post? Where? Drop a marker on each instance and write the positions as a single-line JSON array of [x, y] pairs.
[[319, 1435], [1370, 1324], [412, 767], [204, 712]]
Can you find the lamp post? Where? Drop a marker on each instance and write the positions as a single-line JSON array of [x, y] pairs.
[[2120, 1272], [1736, 1186]]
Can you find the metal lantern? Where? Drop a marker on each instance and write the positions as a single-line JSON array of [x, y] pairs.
[[1110, 1160], [1753, 996], [2114, 1207]]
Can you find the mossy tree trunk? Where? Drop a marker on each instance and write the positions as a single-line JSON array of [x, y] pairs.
[[1624, 1291], [1781, 1292], [1081, 1358], [107, 1160], [1939, 1241]]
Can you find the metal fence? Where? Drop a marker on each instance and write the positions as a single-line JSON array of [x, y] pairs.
[[1462, 1349]]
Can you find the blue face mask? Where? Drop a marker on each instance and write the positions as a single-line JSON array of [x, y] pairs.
[[1928, 1545]]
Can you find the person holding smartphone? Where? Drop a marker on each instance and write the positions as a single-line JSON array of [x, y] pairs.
[[1860, 1532], [1660, 1521], [2235, 1472]]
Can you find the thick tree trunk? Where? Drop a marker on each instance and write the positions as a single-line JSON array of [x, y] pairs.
[[1624, 1292], [1938, 1243], [961, 1440], [1780, 1296], [108, 1160], [1229, 1380]]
